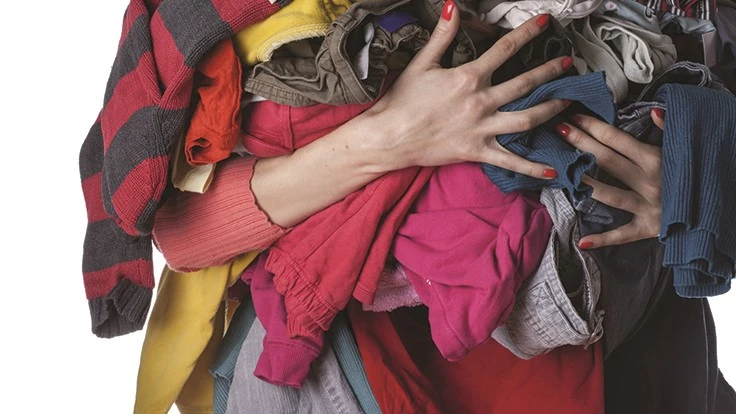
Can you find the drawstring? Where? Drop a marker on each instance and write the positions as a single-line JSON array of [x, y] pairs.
[[597, 330]]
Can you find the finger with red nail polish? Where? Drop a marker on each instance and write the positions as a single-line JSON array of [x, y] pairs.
[[562, 130], [567, 63], [543, 20], [447, 10], [549, 173], [586, 245]]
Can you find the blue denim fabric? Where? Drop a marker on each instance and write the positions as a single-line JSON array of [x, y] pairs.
[[635, 120], [544, 146]]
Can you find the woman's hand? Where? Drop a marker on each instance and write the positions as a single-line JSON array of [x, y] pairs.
[[429, 116], [435, 116], [634, 163]]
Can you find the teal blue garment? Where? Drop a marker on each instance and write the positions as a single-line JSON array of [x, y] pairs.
[[542, 144], [343, 344], [699, 188], [224, 367]]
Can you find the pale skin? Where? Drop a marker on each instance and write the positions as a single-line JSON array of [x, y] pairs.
[[434, 116]]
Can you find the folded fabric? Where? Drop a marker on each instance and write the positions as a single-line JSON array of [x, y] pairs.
[[698, 150], [632, 12], [635, 120], [182, 338], [644, 54], [301, 19], [340, 251], [687, 25], [552, 43], [331, 77], [348, 356], [394, 290], [466, 247], [325, 391], [284, 361], [678, 340], [186, 177], [511, 14], [542, 144], [397, 383], [124, 160], [726, 65], [558, 305], [701, 9], [696, 144], [223, 369], [271, 129], [215, 125], [597, 56], [492, 380]]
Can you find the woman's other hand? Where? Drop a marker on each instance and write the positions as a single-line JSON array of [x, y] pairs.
[[634, 163], [435, 116]]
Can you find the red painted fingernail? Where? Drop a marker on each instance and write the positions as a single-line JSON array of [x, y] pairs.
[[659, 112], [585, 245], [576, 120], [447, 10], [566, 63], [566, 102], [543, 21], [563, 130], [549, 173]]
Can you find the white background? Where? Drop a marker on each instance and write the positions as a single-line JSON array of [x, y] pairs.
[[56, 57]]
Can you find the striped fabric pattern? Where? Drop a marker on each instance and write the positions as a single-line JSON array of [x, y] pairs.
[[700, 9], [124, 159]]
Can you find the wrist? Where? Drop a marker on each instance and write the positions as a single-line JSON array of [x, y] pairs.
[[375, 143]]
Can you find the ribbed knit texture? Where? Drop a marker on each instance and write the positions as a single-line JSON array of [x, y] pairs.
[[125, 158], [542, 144], [224, 367], [698, 184], [348, 356], [130, 302], [195, 231]]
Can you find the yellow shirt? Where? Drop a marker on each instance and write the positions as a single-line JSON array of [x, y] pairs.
[[183, 337]]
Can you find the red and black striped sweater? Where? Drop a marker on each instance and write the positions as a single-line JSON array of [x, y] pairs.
[[124, 160]]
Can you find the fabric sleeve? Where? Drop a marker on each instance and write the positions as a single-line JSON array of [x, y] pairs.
[[194, 231]]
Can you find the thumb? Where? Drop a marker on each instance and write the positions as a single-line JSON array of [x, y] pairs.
[[441, 38]]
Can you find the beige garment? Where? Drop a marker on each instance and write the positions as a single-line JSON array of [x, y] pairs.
[[189, 178]]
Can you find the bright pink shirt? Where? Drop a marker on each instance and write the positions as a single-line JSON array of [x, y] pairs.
[[466, 248]]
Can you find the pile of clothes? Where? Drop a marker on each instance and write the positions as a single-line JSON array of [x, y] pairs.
[[456, 289]]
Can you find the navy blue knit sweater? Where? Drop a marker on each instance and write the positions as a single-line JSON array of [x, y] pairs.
[[699, 188]]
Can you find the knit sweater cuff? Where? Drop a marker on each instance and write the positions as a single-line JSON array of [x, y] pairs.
[[121, 311], [195, 231]]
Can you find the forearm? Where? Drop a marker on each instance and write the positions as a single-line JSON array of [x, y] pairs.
[[291, 188]]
